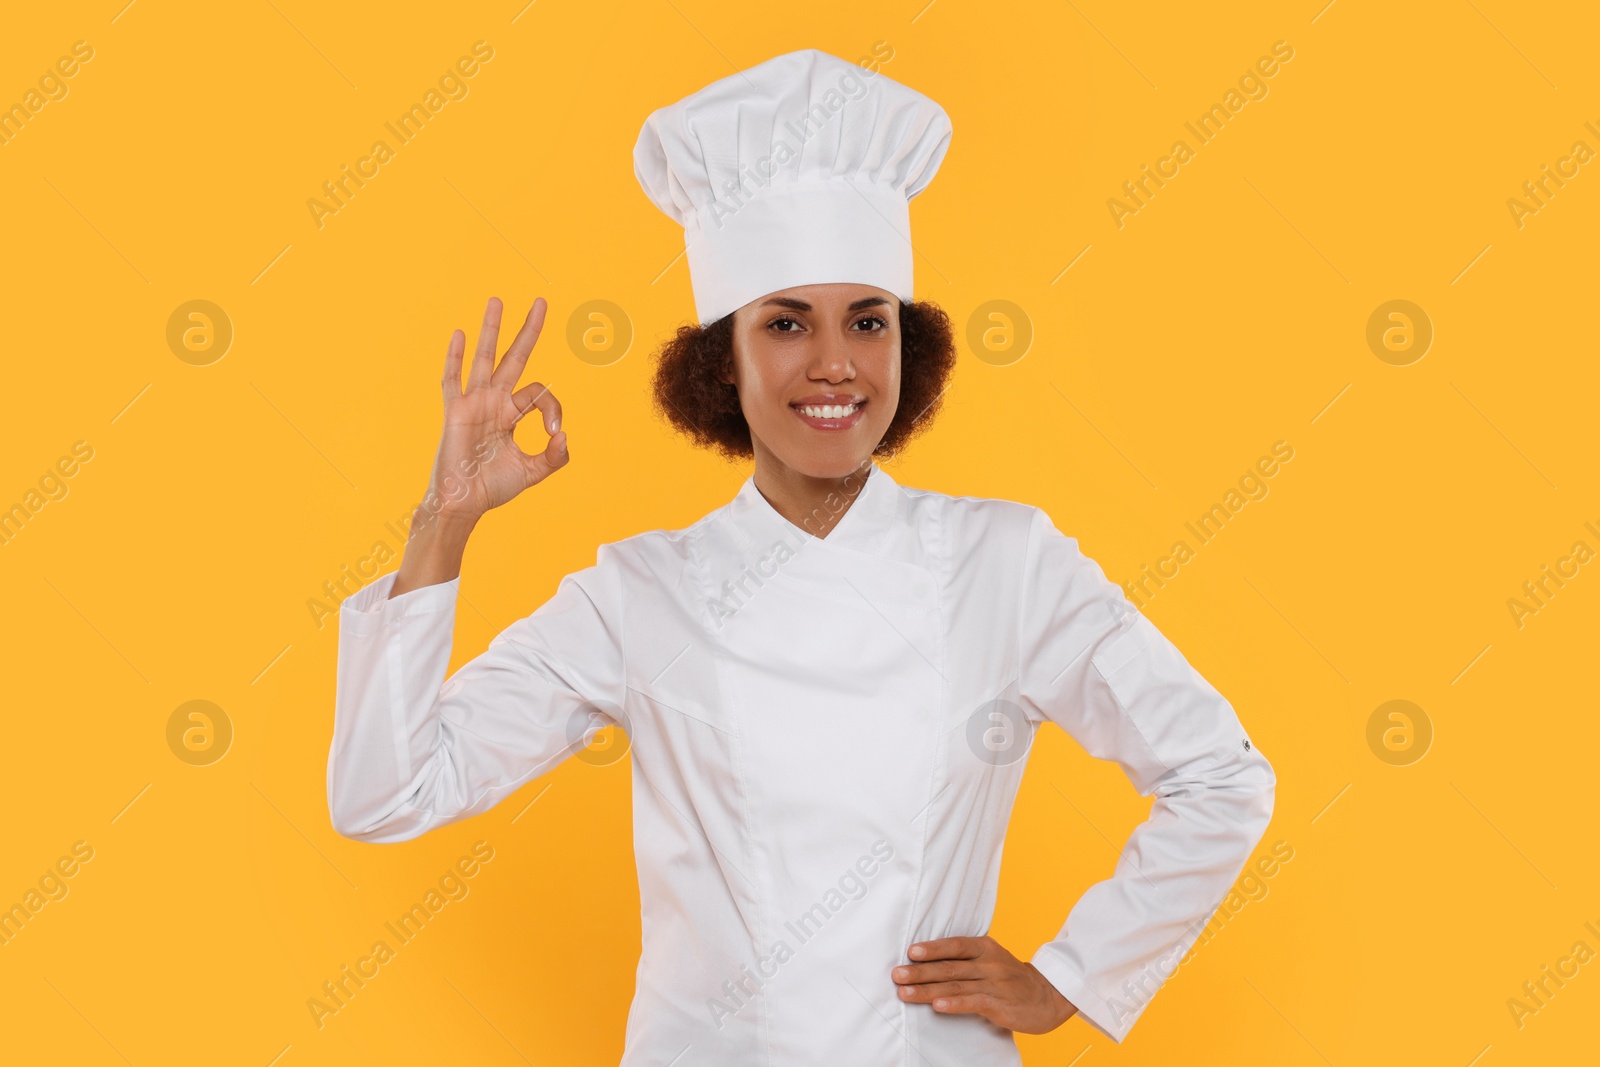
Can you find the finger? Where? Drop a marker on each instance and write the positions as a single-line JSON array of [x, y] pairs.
[[928, 992], [553, 458], [947, 948], [942, 971], [505, 376], [488, 339], [452, 365], [967, 1002], [536, 395]]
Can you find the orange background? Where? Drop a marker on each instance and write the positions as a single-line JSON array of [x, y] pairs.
[[1228, 313]]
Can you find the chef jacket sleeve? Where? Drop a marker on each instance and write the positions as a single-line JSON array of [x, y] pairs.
[[1101, 670], [409, 753]]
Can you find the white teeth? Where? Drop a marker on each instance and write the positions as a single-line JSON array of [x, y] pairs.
[[829, 411]]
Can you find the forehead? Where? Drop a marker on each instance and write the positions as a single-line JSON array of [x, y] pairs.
[[825, 297]]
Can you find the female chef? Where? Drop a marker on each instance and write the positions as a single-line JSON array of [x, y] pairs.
[[830, 684]]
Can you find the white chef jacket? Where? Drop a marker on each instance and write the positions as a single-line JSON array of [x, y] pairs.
[[826, 738]]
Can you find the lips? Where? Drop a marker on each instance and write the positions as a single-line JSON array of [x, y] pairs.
[[829, 412]]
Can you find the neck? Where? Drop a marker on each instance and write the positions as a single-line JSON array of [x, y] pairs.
[[815, 504]]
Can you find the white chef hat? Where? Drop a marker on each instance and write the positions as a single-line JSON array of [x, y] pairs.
[[797, 171]]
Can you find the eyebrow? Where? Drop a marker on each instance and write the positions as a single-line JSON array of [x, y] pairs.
[[801, 305]]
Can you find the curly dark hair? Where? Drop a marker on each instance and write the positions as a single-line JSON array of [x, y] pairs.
[[687, 378]]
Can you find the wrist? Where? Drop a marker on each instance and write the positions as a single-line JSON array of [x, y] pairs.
[[434, 549], [1063, 1008], [456, 523], [447, 522]]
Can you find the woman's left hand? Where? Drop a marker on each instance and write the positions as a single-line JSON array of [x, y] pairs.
[[977, 974]]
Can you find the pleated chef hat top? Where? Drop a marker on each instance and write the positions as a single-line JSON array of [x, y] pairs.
[[798, 171]]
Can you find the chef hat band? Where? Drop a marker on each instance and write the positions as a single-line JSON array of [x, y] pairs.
[[798, 171]]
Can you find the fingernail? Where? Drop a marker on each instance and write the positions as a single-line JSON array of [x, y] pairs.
[[562, 444], [902, 972], [555, 424], [916, 950]]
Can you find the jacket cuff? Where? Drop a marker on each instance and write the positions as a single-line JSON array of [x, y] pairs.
[[371, 608], [1111, 1020]]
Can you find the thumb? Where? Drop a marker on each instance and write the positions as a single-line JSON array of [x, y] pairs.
[[540, 466]]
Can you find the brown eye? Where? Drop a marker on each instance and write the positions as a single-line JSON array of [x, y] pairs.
[[880, 320], [783, 318]]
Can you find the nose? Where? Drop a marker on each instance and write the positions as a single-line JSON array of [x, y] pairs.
[[830, 359]]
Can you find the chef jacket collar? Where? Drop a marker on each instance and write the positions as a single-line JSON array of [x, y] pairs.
[[867, 526]]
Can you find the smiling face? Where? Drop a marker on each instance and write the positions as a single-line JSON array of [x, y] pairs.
[[818, 373]]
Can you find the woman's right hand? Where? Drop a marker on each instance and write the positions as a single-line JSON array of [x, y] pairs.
[[479, 466]]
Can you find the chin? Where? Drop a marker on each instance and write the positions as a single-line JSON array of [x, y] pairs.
[[831, 460]]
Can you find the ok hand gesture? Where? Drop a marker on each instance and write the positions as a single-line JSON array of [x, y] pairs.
[[479, 465]]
